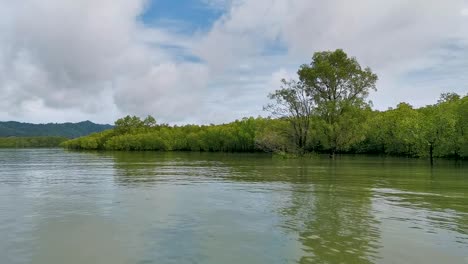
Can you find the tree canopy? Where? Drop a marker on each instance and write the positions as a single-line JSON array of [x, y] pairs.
[[325, 111], [333, 88], [402, 131], [339, 86], [31, 142], [293, 103]]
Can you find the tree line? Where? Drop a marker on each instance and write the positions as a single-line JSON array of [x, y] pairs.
[[31, 142], [325, 111]]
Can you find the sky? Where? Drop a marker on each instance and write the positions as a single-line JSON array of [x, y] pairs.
[[214, 61]]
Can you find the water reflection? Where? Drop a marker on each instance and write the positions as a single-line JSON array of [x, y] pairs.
[[149, 207], [337, 209], [335, 223]]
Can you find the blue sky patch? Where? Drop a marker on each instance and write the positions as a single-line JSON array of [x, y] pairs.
[[187, 15]]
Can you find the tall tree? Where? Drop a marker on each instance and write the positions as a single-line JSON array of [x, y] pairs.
[[149, 121], [293, 103], [127, 124], [338, 85]]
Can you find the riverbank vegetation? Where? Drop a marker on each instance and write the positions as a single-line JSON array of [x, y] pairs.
[[325, 111], [31, 142]]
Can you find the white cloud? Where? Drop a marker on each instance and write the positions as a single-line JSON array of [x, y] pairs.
[[86, 59], [74, 55], [464, 12], [394, 38], [172, 92]]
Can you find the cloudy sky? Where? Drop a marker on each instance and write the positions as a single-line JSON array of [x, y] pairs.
[[212, 61]]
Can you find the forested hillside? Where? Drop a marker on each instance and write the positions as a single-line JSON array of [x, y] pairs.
[[68, 130]]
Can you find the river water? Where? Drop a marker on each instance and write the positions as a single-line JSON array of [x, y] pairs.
[[87, 207]]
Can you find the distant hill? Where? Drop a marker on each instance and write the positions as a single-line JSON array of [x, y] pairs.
[[69, 130]]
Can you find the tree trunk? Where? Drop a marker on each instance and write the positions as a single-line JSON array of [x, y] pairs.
[[431, 150]]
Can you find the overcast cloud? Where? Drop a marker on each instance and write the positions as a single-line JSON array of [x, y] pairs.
[[71, 60]]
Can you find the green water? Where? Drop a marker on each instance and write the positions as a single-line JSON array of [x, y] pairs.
[[72, 207]]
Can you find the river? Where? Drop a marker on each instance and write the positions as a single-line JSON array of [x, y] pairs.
[[58, 207]]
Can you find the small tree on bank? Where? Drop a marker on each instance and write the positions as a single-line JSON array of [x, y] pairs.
[[293, 104]]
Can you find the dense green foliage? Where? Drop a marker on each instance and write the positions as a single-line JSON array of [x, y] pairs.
[[440, 130], [331, 92], [325, 111], [293, 103], [131, 133], [402, 131], [69, 130], [338, 87], [31, 142]]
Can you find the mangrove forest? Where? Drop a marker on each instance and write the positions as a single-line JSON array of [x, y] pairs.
[[325, 110]]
